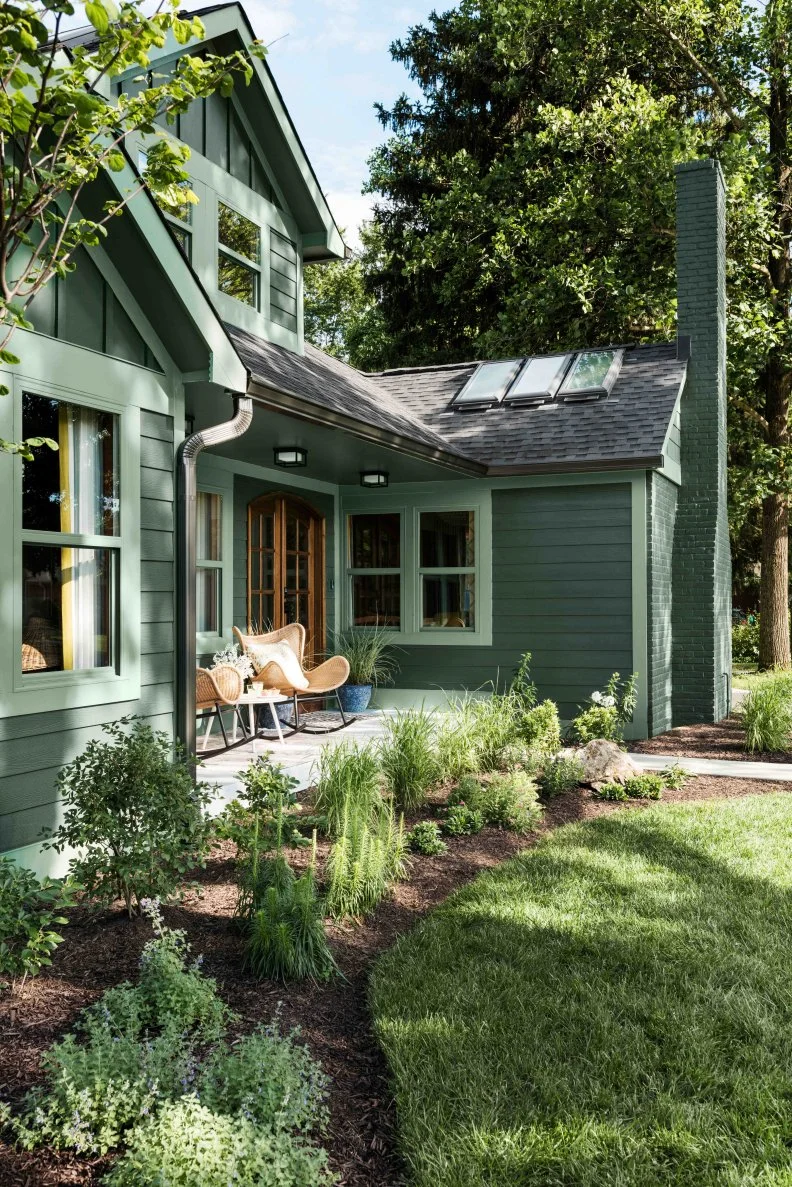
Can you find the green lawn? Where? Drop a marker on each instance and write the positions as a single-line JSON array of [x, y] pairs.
[[611, 1008]]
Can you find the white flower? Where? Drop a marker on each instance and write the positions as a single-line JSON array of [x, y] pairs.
[[609, 702], [596, 697]]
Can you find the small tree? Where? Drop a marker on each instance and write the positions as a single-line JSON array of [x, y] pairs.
[[133, 816], [58, 132]]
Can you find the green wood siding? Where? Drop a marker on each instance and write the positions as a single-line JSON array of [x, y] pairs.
[[33, 747], [562, 589]]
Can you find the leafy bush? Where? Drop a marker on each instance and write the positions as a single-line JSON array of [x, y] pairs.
[[347, 774], [461, 821], [767, 716], [425, 838], [562, 773], [186, 1144], [745, 641], [134, 816], [503, 801], [639, 787], [607, 712], [408, 757], [540, 727], [286, 937], [675, 777], [29, 910], [369, 854], [267, 786]]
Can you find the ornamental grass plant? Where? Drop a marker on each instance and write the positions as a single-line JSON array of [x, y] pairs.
[[346, 775], [369, 854], [408, 757], [767, 716]]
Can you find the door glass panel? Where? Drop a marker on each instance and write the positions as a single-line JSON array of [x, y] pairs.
[[302, 536], [302, 571], [291, 532], [449, 601], [447, 539], [376, 599], [291, 571]]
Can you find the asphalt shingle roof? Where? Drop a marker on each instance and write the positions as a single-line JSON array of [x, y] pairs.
[[630, 423]]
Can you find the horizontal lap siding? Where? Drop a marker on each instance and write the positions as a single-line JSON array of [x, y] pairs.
[[33, 747], [562, 589]]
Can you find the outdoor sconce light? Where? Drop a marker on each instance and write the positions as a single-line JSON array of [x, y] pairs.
[[290, 456], [374, 478]]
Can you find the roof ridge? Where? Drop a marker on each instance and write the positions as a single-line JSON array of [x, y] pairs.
[[477, 362], [425, 367]]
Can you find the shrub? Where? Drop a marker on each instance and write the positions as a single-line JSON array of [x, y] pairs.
[[675, 777], [286, 937], [368, 855], [504, 801], [29, 910], [187, 1144], [767, 716], [745, 641], [425, 838], [408, 757], [540, 728], [347, 774], [134, 816], [639, 787], [267, 787], [461, 821], [562, 773], [607, 711], [610, 791]]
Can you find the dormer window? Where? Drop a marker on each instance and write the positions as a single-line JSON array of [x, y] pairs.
[[238, 256]]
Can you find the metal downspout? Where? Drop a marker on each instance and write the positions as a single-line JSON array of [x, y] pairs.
[[186, 501]]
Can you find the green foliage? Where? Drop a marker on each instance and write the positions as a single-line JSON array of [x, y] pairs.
[[347, 775], [187, 1144], [607, 712], [341, 317], [611, 791], [495, 722], [267, 786], [745, 641], [767, 716], [540, 728], [369, 854], [559, 775], [456, 741], [522, 686], [675, 777], [29, 911], [639, 787], [408, 757], [506, 801], [425, 838], [370, 654], [133, 815], [51, 87], [286, 938], [462, 821]]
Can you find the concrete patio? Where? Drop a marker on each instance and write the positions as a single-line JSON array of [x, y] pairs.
[[298, 754]]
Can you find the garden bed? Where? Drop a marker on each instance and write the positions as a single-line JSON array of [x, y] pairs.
[[99, 952], [722, 740]]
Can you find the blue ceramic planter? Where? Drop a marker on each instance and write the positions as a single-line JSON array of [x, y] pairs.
[[355, 697]]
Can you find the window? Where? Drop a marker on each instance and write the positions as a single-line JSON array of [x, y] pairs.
[[487, 384], [375, 569], [179, 217], [239, 256], [283, 281], [447, 572], [70, 539], [593, 373], [209, 564], [539, 380]]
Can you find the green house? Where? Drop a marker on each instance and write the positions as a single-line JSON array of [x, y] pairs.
[[573, 506]]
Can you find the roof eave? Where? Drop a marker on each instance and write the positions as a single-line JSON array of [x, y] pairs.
[[277, 400], [586, 466]]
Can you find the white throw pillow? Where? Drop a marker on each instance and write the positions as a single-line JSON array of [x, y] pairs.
[[262, 654]]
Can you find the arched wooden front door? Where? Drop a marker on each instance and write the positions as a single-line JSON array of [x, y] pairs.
[[286, 545]]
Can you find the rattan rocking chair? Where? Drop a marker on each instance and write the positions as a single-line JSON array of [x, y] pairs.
[[216, 690], [323, 681]]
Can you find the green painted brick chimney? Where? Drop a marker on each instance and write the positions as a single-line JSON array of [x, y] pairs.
[[701, 611]]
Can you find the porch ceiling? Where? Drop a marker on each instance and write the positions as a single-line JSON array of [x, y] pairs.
[[334, 454]]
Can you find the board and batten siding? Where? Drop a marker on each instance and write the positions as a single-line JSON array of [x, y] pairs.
[[34, 747], [562, 589]]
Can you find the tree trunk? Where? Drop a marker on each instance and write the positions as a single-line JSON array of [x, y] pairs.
[[774, 649]]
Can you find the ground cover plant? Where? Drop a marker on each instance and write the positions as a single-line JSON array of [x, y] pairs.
[[559, 774], [639, 787], [611, 1006], [504, 800], [425, 838], [133, 815], [30, 910], [767, 715]]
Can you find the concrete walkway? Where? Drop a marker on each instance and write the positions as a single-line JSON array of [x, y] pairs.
[[780, 772]]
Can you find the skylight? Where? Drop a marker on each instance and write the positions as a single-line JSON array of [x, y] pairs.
[[539, 380], [593, 373], [487, 385]]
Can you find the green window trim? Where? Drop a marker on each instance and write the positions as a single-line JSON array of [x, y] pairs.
[[412, 631], [48, 691], [222, 484]]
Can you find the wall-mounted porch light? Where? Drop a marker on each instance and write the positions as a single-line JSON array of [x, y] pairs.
[[290, 456], [377, 478]]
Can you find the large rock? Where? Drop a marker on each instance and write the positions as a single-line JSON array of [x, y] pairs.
[[604, 762]]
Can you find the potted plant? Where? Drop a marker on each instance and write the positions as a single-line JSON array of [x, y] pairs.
[[372, 662]]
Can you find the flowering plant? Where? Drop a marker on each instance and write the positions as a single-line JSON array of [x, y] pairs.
[[232, 657], [606, 712]]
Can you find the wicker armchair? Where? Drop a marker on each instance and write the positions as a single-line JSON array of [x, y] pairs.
[[215, 690], [323, 681]]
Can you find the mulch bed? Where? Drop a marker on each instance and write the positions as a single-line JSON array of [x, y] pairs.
[[100, 952], [725, 740]]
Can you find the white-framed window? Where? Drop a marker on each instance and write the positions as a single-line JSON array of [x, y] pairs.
[[238, 256], [71, 540], [209, 563], [420, 565]]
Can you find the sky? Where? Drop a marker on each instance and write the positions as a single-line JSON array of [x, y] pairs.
[[330, 60]]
